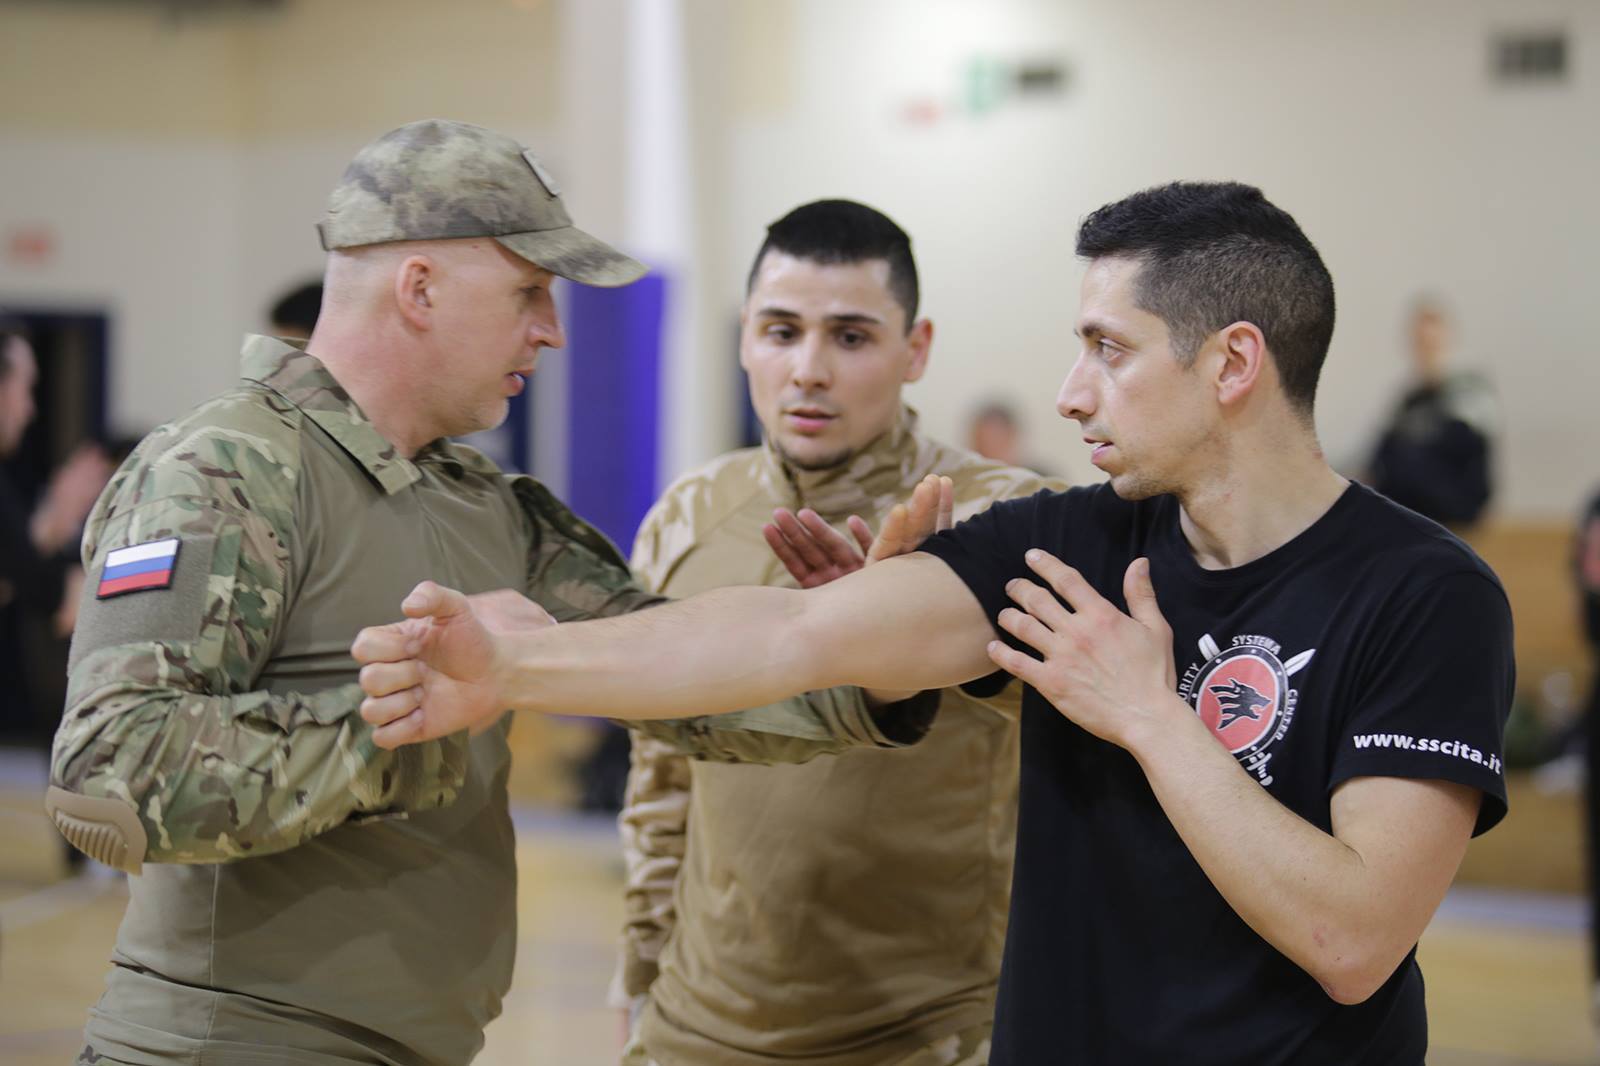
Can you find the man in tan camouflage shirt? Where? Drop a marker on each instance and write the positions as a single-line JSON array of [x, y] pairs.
[[306, 897], [849, 911]]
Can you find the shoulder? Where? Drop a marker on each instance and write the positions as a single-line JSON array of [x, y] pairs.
[[1412, 552], [555, 527], [247, 433], [239, 451], [473, 461], [979, 480], [707, 495]]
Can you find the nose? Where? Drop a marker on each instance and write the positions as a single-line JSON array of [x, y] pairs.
[[811, 366], [1076, 398], [547, 330]]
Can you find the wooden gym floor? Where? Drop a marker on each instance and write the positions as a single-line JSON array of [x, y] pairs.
[[1506, 973]]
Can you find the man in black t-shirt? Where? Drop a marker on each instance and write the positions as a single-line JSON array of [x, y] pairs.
[[1265, 705]]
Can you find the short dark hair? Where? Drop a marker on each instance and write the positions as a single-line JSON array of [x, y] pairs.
[[1215, 253], [299, 308], [842, 231]]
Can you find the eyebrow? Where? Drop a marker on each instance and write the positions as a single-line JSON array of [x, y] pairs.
[[854, 318], [1092, 328]]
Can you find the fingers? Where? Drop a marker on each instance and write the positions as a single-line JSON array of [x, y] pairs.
[[1023, 667], [924, 507], [947, 505], [1028, 629], [1039, 603], [1140, 593], [1067, 582], [384, 644], [407, 730], [786, 554], [382, 710], [383, 678], [861, 531], [835, 546], [891, 534], [802, 539], [431, 600]]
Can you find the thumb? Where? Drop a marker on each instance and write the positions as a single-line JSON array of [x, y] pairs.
[[890, 534], [1141, 596], [430, 600]]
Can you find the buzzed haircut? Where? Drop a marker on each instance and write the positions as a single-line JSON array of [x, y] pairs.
[[836, 232], [1215, 253]]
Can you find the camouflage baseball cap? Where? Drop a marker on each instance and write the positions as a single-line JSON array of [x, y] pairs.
[[440, 180]]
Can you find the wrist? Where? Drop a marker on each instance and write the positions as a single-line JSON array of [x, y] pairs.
[[1167, 720]]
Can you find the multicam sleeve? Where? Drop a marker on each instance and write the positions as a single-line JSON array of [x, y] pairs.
[[165, 754], [654, 825], [575, 573]]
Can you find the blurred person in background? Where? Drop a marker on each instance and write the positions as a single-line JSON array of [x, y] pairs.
[[995, 432], [752, 877], [1436, 454], [295, 313], [36, 542], [1586, 568]]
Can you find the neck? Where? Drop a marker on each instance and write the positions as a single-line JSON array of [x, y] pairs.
[[370, 360], [853, 485], [1263, 496]]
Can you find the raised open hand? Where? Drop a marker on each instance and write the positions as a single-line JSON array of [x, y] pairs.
[[815, 553]]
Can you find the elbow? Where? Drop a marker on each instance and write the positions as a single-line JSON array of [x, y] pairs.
[[1354, 978]]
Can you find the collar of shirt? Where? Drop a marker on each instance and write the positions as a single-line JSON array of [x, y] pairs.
[[885, 467], [303, 381]]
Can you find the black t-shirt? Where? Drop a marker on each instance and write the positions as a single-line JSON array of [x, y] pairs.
[[1374, 643]]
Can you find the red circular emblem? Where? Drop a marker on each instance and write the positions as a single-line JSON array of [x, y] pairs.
[[1241, 697]]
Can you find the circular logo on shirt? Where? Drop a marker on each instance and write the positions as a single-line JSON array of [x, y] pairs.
[[1240, 697]]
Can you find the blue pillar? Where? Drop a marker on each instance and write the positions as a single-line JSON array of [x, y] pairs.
[[614, 396]]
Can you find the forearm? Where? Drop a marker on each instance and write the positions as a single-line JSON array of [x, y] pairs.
[[217, 778], [905, 624], [1306, 892]]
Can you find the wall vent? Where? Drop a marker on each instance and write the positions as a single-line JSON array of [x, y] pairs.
[[1530, 57]]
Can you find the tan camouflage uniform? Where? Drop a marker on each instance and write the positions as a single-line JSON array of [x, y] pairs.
[[374, 917], [849, 912]]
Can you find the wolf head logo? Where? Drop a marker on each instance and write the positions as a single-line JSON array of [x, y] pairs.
[[1238, 700]]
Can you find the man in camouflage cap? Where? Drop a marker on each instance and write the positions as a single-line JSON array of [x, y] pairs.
[[305, 897]]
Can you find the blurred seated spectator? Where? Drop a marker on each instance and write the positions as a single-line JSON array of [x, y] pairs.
[[1435, 454], [995, 432], [1586, 568], [295, 314], [38, 545]]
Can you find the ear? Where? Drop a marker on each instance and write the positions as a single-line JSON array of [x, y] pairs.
[[744, 338], [415, 285], [1244, 362], [921, 340]]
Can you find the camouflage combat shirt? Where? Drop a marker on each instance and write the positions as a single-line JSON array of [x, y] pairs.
[[307, 897], [849, 911]]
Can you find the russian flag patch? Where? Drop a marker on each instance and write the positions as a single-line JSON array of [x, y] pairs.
[[141, 566]]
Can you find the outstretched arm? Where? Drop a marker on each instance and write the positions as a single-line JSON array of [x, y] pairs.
[[905, 624]]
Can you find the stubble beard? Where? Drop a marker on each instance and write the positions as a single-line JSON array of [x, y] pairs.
[[815, 463]]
